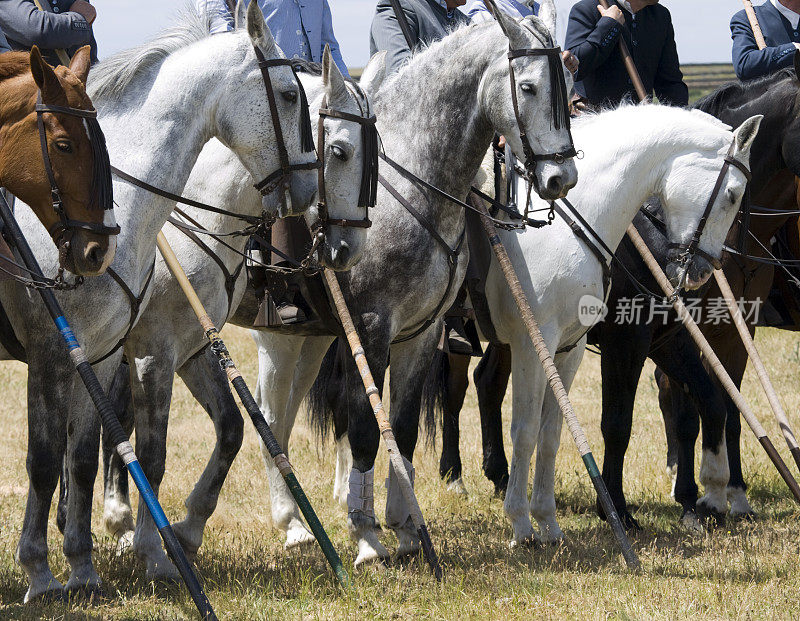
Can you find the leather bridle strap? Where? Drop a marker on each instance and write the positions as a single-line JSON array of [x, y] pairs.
[[281, 177], [559, 104], [64, 223], [693, 247]]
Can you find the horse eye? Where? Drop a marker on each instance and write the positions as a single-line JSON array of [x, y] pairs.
[[64, 146], [290, 96], [339, 153], [527, 88]]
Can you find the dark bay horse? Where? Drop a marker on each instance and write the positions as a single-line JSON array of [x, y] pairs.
[[23, 76], [625, 347]]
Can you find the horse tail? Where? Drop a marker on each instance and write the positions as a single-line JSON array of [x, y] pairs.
[[322, 395], [435, 393]]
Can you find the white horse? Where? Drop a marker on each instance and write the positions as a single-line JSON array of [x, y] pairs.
[[436, 117], [632, 153], [158, 104], [167, 336]]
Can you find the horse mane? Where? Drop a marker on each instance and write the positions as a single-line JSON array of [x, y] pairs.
[[727, 93], [111, 77]]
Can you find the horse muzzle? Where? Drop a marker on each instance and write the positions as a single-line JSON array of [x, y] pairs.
[[689, 273], [88, 253]]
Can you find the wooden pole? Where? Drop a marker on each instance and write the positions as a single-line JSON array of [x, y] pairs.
[[557, 386], [630, 66], [395, 458], [259, 422], [751, 16], [63, 57], [714, 361], [761, 370]]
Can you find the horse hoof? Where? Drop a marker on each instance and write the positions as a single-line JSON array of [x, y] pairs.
[[711, 516], [190, 544], [458, 487], [125, 543], [692, 523], [163, 572], [297, 538], [500, 487], [91, 594], [630, 523], [371, 555], [747, 516], [408, 543], [51, 594], [526, 543]]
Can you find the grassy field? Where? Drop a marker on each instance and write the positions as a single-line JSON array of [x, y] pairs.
[[741, 571]]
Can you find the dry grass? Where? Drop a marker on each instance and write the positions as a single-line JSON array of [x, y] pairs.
[[744, 571]]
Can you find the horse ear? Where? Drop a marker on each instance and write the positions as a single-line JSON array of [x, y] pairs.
[[548, 14], [240, 15], [257, 28], [81, 63], [374, 73], [746, 134], [333, 80], [513, 31], [44, 76]]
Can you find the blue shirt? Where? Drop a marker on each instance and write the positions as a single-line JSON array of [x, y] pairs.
[[477, 12], [4, 46], [300, 27]]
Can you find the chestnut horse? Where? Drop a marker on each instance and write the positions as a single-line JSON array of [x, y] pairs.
[[23, 77]]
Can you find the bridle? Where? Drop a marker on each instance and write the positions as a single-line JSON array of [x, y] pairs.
[[369, 174], [281, 178], [559, 105], [693, 247], [101, 190]]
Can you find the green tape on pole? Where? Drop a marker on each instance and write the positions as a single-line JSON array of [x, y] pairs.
[[316, 527], [591, 465]]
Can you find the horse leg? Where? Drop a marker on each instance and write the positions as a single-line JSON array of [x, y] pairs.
[[409, 363], [680, 360], [117, 512], [456, 390], [287, 366], [528, 396], [543, 499], [49, 386], [83, 444], [151, 390], [670, 430], [491, 381], [209, 386], [624, 350]]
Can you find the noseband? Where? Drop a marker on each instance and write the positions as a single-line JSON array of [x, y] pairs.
[[369, 175], [101, 191], [559, 105], [693, 247], [281, 178]]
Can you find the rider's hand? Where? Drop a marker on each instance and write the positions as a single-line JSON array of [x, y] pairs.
[[571, 61], [501, 142], [84, 8], [614, 12], [797, 45]]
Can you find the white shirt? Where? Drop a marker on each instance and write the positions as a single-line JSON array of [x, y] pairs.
[[794, 18]]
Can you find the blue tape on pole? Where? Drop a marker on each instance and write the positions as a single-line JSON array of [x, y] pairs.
[[66, 333], [146, 493]]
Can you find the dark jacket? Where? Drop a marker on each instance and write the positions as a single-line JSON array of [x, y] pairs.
[[26, 26], [602, 77], [4, 46], [750, 62], [427, 20]]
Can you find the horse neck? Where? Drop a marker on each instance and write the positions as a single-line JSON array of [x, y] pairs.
[[159, 142], [625, 169], [444, 136]]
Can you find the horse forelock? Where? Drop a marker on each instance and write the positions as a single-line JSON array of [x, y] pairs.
[[110, 78]]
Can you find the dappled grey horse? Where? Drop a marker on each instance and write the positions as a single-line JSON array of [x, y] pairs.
[[158, 104], [437, 117], [168, 337]]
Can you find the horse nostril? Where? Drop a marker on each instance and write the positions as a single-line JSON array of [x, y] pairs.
[[555, 184], [94, 255], [342, 254]]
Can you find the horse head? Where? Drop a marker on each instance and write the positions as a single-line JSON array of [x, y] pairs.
[[70, 204], [349, 154], [525, 99], [717, 178]]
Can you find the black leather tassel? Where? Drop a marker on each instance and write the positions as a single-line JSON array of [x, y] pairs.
[[102, 187], [558, 87], [306, 136], [744, 224], [369, 177]]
